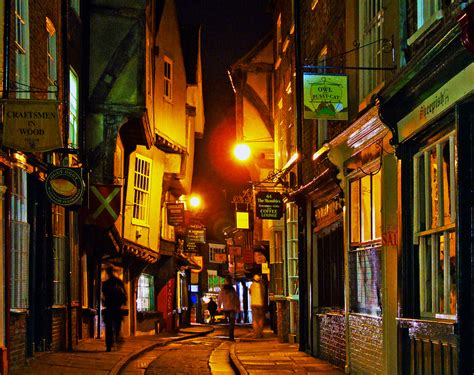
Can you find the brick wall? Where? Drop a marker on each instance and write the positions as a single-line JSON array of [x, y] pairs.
[[59, 329], [332, 339], [365, 345], [17, 344]]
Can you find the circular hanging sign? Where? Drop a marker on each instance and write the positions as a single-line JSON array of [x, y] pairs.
[[64, 186]]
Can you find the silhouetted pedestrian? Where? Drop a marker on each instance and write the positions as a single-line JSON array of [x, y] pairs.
[[257, 295], [113, 298], [229, 300], [212, 307]]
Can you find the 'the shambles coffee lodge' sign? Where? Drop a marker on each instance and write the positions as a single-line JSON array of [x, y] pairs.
[[31, 125], [269, 205]]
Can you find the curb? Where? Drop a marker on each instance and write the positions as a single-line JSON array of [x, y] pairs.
[[124, 361], [236, 361]]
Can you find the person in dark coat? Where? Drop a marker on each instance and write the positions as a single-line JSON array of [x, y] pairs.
[[212, 307], [114, 297], [228, 300]]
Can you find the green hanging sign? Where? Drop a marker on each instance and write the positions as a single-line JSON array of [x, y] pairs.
[[325, 96]]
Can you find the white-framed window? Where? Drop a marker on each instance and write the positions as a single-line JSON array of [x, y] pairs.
[[217, 253], [434, 228], [365, 277], [20, 240], [73, 140], [292, 248], [277, 286], [59, 254], [168, 79], [426, 12], [146, 293], [214, 282], [52, 60], [76, 6], [22, 46], [370, 38], [141, 189]]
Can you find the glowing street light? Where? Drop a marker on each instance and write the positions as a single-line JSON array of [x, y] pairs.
[[242, 151], [195, 201]]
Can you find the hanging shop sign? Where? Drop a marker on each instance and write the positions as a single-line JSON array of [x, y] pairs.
[[198, 260], [65, 186], [196, 233], [269, 205], [175, 214], [31, 125], [325, 96], [104, 204]]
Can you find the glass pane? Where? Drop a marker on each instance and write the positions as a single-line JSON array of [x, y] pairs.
[[421, 191], [440, 274], [428, 283], [434, 187], [446, 157], [355, 211], [377, 204], [452, 274], [366, 204]]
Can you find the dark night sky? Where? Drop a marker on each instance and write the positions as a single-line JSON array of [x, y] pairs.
[[230, 28]]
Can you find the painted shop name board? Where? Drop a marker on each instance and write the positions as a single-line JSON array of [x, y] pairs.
[[269, 205], [31, 125], [440, 101]]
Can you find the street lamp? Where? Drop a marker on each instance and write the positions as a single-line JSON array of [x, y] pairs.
[[242, 151], [195, 201]]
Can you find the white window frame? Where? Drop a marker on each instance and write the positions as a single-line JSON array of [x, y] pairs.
[[365, 244], [22, 50], [277, 265], [141, 190], [168, 78], [435, 234], [145, 293], [73, 136], [52, 60], [214, 282], [371, 19], [20, 240], [292, 249]]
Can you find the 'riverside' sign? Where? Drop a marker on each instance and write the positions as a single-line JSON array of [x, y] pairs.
[[269, 205], [31, 125]]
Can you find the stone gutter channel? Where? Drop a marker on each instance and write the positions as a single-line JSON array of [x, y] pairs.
[[126, 360]]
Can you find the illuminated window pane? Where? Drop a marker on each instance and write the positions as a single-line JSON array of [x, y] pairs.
[[355, 211], [377, 204], [366, 205]]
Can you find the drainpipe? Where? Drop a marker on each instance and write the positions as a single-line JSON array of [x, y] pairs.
[[303, 295], [6, 49], [64, 29]]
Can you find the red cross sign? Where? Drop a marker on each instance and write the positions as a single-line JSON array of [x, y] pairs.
[[104, 204]]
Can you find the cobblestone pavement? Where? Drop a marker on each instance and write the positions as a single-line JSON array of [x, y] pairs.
[[194, 350]]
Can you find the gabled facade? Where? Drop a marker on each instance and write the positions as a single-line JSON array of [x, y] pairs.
[[141, 133]]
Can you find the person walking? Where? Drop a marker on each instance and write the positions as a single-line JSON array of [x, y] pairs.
[[113, 298], [212, 308], [257, 296], [228, 299]]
